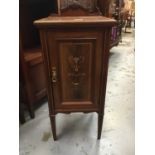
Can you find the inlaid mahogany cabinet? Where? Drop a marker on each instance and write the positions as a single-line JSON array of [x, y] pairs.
[[75, 52]]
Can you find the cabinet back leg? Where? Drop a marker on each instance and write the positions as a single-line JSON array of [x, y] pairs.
[[100, 122], [53, 126], [30, 107]]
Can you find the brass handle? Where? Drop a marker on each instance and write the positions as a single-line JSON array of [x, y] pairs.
[[54, 75]]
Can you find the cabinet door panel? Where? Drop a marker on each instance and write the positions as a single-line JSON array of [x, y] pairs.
[[76, 60], [75, 69]]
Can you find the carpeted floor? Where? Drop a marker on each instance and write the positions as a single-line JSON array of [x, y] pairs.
[[77, 132]]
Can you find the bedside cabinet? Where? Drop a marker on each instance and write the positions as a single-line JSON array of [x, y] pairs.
[[75, 52]]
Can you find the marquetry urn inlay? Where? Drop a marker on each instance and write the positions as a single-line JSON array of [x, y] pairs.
[[75, 63]]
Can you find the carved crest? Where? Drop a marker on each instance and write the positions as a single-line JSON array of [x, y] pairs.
[[85, 4]]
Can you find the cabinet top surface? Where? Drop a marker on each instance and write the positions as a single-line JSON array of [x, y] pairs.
[[82, 20]]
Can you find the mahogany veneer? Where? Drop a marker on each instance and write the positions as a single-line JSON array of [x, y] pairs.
[[75, 53]]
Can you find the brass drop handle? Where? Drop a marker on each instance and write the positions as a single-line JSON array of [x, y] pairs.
[[54, 75]]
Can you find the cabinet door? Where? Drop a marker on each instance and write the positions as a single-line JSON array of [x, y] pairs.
[[75, 68]]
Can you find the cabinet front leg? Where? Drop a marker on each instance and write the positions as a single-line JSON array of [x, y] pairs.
[[100, 122], [53, 126]]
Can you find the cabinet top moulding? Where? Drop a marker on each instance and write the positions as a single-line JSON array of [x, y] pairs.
[[75, 20]]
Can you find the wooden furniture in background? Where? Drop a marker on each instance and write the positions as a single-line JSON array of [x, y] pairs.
[[76, 52], [115, 12], [32, 76], [130, 18]]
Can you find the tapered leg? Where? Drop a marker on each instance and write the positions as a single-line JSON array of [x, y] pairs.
[[100, 122], [31, 111], [29, 105], [30, 108], [53, 126]]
